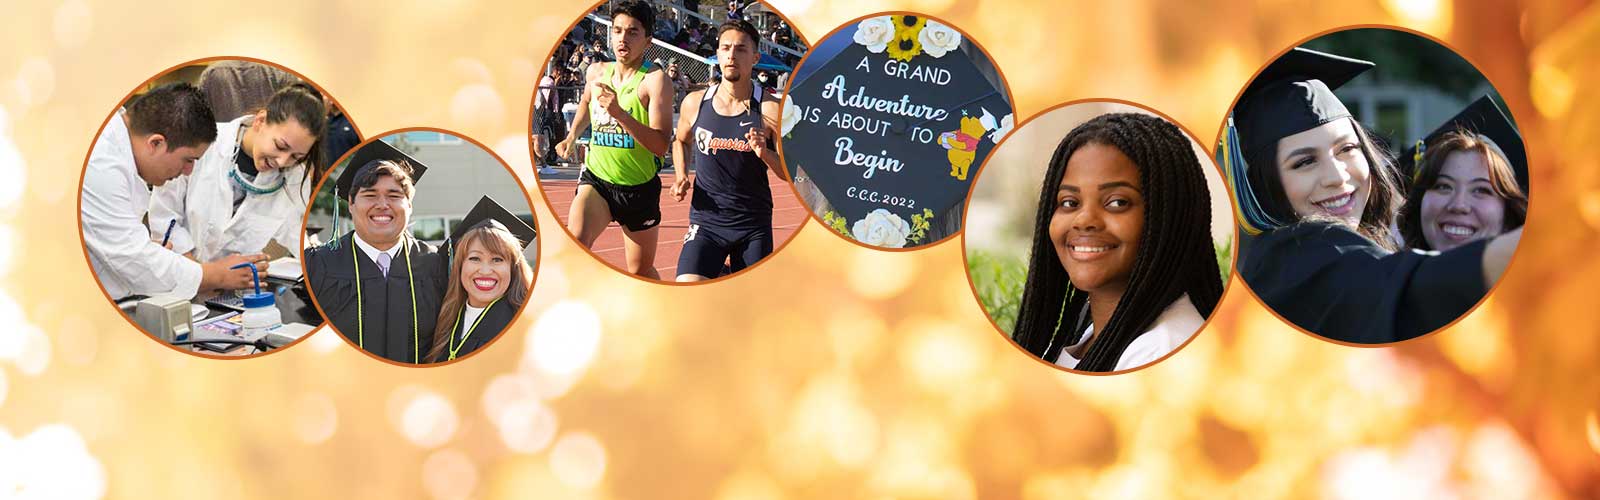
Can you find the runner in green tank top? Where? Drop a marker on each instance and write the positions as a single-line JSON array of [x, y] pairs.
[[630, 104], [614, 155]]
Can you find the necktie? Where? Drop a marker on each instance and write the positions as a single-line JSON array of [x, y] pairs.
[[383, 263]]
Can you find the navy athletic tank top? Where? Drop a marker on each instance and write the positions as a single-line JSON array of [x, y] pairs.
[[730, 183]]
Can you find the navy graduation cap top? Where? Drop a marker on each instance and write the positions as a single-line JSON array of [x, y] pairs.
[[369, 154], [1482, 117], [1292, 95], [489, 213]]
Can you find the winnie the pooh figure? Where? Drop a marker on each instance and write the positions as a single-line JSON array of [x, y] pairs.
[[962, 145]]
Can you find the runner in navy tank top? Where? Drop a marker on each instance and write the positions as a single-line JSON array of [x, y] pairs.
[[725, 132]]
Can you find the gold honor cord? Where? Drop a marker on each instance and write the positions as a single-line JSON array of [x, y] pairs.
[[456, 348], [361, 326]]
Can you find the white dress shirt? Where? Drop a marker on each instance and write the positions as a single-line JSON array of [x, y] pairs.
[[373, 252]]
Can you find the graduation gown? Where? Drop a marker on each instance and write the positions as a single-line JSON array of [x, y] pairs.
[[385, 310], [495, 320], [1336, 283]]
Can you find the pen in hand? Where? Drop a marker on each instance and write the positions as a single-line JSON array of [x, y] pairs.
[[168, 237]]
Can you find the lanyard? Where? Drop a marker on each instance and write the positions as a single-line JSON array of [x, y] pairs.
[[453, 347], [252, 188], [361, 327], [239, 179]]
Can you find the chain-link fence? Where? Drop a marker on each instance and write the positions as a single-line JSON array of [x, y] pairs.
[[693, 66]]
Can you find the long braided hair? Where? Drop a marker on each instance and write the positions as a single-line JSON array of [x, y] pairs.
[[1175, 255]]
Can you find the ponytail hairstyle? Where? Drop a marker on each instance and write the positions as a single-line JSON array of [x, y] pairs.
[[1175, 255], [302, 103]]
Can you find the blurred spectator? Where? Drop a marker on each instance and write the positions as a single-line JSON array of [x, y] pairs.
[[667, 24], [679, 81]]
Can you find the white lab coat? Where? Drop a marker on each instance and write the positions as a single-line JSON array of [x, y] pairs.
[[202, 203], [115, 200]]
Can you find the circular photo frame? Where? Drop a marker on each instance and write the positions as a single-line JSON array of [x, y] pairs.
[[888, 120], [1378, 203], [191, 201], [415, 269], [1100, 241], [653, 132]]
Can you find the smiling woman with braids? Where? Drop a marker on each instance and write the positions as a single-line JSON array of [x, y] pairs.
[[1122, 269]]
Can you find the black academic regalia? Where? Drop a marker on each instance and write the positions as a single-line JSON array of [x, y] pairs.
[[386, 302], [1328, 279], [495, 320]]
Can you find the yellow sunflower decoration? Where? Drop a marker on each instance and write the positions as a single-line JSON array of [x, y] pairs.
[[906, 45], [908, 24], [904, 48]]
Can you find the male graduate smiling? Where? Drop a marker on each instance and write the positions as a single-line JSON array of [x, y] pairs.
[[379, 286]]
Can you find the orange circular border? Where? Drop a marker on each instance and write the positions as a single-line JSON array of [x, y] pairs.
[[534, 281], [1233, 258], [532, 157], [1224, 125], [981, 165], [84, 173]]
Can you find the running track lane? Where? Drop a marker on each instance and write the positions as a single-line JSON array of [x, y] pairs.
[[787, 216]]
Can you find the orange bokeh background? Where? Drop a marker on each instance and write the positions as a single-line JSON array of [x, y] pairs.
[[832, 371]]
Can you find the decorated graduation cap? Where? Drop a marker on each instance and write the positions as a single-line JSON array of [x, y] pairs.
[[1482, 117], [491, 214], [366, 157], [1292, 95], [893, 130]]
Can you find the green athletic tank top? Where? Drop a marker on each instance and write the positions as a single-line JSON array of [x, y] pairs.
[[614, 155]]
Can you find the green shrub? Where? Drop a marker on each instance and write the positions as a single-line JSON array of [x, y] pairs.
[[998, 280]]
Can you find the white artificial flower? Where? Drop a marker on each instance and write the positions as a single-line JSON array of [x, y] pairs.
[[881, 228], [875, 33], [791, 116], [938, 39]]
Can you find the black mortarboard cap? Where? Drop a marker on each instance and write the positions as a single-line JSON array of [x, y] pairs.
[[368, 154], [491, 213], [1482, 117], [1292, 95]]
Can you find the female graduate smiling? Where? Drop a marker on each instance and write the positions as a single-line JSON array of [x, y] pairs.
[[1468, 181], [489, 280], [1122, 270], [1316, 197]]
